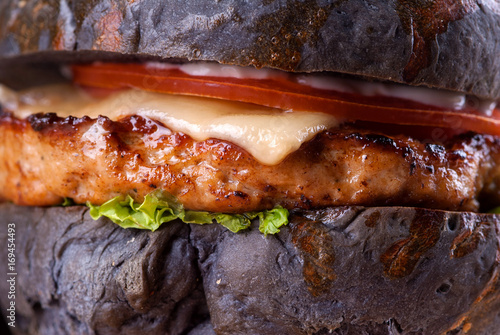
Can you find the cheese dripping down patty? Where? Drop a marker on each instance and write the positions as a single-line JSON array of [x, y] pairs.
[[268, 134]]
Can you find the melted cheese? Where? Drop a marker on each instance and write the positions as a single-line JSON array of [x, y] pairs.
[[266, 133]]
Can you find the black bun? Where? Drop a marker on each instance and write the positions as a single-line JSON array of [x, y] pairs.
[[345, 270], [419, 42]]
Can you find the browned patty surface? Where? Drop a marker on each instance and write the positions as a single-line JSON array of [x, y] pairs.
[[46, 158]]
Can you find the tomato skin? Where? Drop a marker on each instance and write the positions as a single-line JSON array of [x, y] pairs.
[[285, 94]]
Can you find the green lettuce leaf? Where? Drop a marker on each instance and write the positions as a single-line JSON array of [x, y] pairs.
[[159, 207], [495, 210], [67, 202], [272, 220]]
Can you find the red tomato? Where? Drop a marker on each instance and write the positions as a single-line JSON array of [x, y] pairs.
[[283, 93]]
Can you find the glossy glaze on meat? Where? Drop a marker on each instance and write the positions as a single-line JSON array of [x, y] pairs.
[[46, 158]]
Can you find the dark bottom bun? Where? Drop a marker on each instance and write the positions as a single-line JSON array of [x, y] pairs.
[[344, 270]]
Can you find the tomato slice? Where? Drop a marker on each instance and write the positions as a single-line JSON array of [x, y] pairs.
[[283, 93]]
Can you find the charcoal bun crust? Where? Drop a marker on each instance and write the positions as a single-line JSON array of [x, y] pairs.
[[455, 48], [343, 270]]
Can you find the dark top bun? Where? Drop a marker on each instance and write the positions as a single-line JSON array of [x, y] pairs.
[[423, 43]]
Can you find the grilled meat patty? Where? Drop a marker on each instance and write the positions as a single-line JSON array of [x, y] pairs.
[[45, 158]]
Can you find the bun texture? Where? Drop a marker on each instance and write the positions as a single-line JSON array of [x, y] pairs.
[[380, 270]]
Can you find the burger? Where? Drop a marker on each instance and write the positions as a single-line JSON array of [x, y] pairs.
[[265, 167]]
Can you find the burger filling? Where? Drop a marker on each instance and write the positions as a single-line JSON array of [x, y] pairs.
[[145, 144]]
